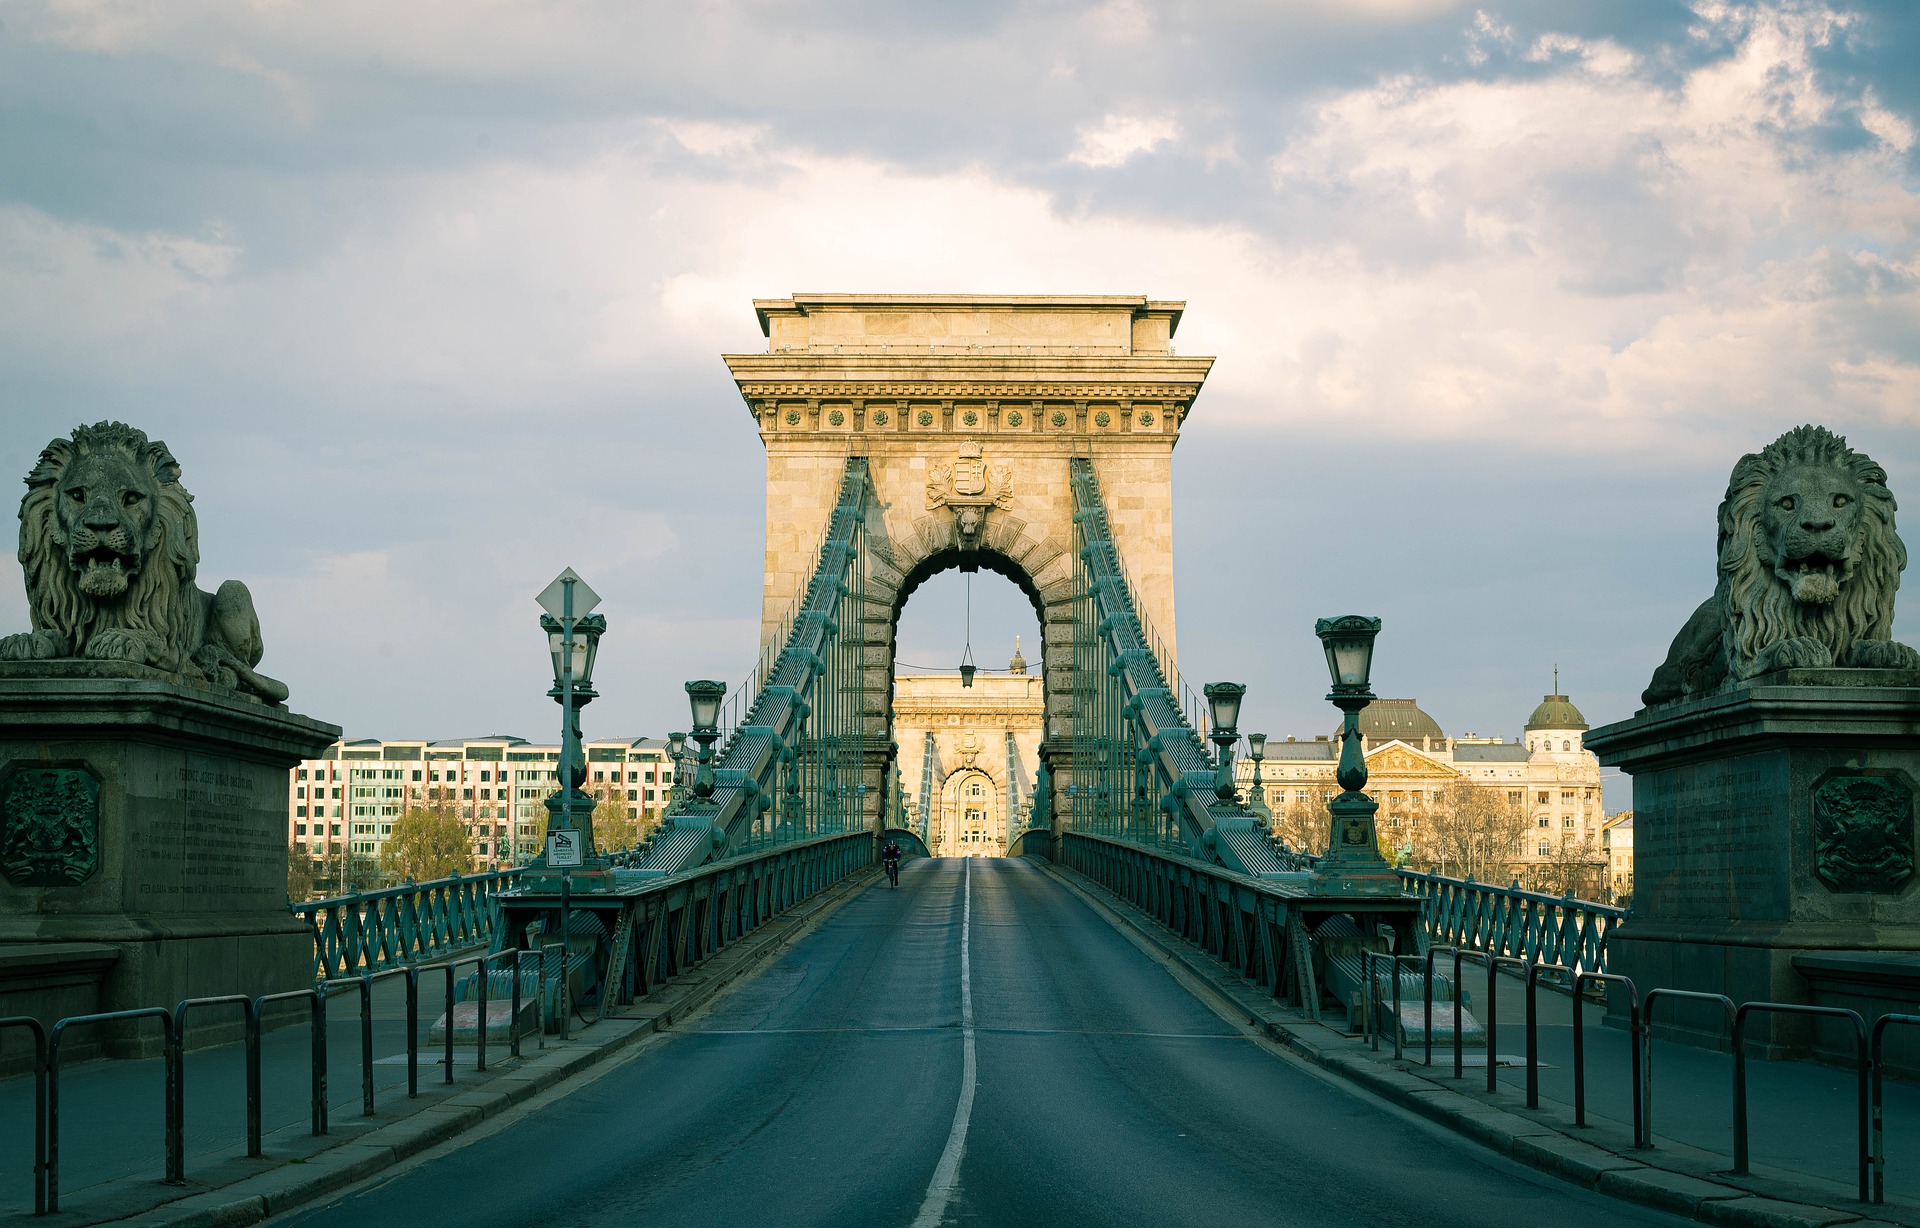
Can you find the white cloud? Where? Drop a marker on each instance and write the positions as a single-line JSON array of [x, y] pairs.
[[1117, 138]]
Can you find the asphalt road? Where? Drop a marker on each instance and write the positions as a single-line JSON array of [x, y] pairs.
[[830, 1089]]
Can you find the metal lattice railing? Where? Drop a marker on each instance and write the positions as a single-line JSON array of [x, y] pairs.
[[1141, 770], [371, 931], [795, 762], [1524, 925]]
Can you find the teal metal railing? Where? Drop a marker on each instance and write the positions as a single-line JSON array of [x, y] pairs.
[[371, 931], [795, 760], [1523, 925], [1140, 768]]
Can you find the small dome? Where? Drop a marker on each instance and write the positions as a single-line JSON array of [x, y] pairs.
[[1397, 718], [1556, 712], [1019, 663]]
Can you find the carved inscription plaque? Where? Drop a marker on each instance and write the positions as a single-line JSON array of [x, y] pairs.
[[50, 827]]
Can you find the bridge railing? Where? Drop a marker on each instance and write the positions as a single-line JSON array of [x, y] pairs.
[[1530, 926], [1141, 769], [371, 931], [792, 760]]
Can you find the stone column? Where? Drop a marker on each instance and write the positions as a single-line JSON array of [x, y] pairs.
[[1774, 846], [143, 844]]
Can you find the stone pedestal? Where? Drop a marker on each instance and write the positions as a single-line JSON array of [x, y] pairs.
[[1774, 824], [143, 845]]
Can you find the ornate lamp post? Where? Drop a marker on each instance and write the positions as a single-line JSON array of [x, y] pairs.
[[573, 641], [705, 697], [677, 753], [1352, 865], [1257, 794], [1223, 720]]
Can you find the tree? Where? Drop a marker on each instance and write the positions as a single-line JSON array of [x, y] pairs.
[[302, 872], [427, 843], [1575, 867], [1304, 826], [1471, 832]]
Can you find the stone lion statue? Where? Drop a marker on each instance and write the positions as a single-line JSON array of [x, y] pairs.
[[1809, 563], [110, 545]]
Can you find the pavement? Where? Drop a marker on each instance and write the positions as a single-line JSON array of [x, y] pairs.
[[979, 1046], [995, 1042], [112, 1131]]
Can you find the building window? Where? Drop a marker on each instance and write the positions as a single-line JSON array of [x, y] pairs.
[[1545, 848], [299, 829], [302, 774], [1545, 797], [1543, 820], [1567, 822]]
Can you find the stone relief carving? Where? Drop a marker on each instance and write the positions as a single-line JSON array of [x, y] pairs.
[[110, 545], [50, 827], [971, 487], [1863, 833], [1809, 563]]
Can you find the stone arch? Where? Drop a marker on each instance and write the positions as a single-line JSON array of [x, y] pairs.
[[1007, 547], [969, 411]]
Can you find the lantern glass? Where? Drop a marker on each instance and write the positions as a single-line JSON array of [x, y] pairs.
[[1349, 645], [1257, 743], [966, 675], [1223, 705], [676, 744], [705, 697]]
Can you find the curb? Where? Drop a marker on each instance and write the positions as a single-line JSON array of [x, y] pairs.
[[294, 1183], [1541, 1145]]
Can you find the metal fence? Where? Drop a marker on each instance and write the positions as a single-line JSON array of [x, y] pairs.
[[372, 931], [1529, 926]]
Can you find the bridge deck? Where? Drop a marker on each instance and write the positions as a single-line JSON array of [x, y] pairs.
[[825, 1089]]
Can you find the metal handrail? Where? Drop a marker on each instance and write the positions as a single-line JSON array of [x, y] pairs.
[[317, 1063], [175, 1163], [250, 1019], [1580, 982], [39, 1033], [1862, 1077], [1877, 1152], [1646, 1039]]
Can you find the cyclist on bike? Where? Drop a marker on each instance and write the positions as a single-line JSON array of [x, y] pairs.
[[890, 858]]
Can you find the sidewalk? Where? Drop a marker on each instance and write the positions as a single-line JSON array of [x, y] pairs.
[[112, 1132], [1801, 1115]]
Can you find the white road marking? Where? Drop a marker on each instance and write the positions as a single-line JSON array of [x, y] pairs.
[[946, 1176]]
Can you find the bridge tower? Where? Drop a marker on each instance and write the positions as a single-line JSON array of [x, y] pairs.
[[969, 410]]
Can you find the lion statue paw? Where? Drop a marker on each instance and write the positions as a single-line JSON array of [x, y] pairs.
[[1883, 654], [33, 646], [1800, 652]]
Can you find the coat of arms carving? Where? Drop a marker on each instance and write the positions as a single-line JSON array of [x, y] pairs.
[[971, 487]]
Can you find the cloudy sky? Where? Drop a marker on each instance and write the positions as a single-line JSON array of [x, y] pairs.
[[429, 297]]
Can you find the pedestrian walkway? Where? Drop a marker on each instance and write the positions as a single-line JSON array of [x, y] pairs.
[[112, 1131]]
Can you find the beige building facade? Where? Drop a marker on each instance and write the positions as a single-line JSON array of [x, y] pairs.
[[969, 410], [1411, 761], [969, 755]]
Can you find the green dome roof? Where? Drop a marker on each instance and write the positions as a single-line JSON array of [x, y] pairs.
[[1384, 719], [1556, 712]]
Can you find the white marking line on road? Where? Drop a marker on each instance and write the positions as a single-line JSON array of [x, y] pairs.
[[946, 1175]]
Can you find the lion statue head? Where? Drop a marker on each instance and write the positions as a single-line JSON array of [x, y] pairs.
[[110, 547], [1809, 563], [108, 538]]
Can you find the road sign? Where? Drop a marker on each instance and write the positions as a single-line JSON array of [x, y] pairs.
[[563, 849], [552, 599]]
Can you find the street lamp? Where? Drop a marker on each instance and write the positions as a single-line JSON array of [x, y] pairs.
[[676, 752], [1223, 719], [573, 641], [1257, 795], [1352, 865], [705, 697]]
